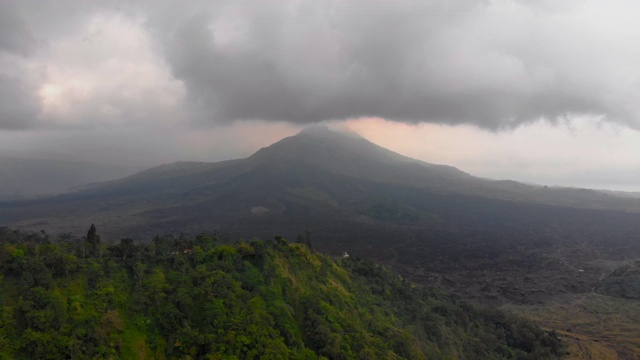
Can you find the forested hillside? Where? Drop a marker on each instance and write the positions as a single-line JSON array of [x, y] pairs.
[[199, 298]]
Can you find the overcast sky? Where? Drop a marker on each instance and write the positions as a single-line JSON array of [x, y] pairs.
[[544, 91]]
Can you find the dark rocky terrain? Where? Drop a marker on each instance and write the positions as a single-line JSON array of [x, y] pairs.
[[623, 282]]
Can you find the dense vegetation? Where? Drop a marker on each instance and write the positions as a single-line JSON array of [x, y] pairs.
[[198, 298]]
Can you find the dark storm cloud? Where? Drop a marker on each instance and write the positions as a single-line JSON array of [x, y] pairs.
[[19, 103], [495, 64], [414, 61], [84, 64]]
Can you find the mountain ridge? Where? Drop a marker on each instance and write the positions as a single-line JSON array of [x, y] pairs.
[[351, 155]]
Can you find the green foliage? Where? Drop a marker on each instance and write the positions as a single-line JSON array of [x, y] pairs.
[[190, 299]]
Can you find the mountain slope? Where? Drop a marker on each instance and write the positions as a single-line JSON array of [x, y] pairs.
[[349, 155], [319, 170], [353, 156]]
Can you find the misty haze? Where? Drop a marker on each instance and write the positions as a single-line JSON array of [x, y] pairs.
[[319, 179]]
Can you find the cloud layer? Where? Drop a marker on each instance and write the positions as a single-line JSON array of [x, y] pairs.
[[494, 64], [490, 63]]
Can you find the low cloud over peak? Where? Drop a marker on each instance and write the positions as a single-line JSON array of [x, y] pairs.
[[494, 64]]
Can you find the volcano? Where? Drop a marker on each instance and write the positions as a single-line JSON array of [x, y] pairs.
[[318, 171], [433, 223], [290, 186]]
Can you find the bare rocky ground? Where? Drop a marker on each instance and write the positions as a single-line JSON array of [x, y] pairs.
[[588, 293]]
